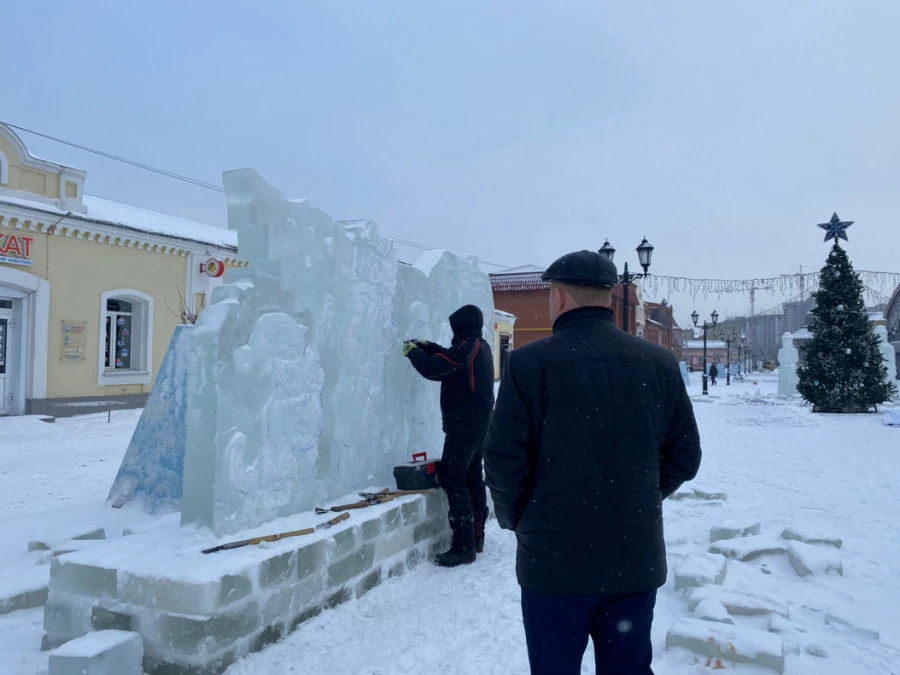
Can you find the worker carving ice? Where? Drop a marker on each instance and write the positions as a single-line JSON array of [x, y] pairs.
[[466, 373]]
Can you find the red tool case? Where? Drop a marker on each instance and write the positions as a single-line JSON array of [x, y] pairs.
[[419, 474]]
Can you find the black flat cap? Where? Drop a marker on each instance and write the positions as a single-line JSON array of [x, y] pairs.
[[583, 268]]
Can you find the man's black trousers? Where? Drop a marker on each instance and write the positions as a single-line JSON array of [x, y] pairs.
[[557, 628], [462, 476]]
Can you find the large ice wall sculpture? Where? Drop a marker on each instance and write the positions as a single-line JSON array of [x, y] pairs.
[[298, 390], [151, 470]]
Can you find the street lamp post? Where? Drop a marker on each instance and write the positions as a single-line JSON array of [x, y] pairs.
[[645, 253], [715, 318], [728, 341]]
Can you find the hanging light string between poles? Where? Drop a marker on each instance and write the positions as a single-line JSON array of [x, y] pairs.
[[793, 284]]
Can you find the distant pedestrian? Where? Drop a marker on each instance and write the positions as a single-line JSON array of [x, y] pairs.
[[593, 428], [713, 374]]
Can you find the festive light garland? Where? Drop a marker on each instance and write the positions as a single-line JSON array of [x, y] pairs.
[[782, 284]]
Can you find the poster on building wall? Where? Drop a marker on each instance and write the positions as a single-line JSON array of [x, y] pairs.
[[74, 334], [3, 323]]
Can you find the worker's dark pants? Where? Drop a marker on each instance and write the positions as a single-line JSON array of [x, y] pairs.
[[463, 478], [557, 628]]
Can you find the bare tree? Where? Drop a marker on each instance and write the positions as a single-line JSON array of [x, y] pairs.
[[184, 313]]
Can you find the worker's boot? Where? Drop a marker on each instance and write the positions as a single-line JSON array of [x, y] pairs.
[[462, 550], [480, 520]]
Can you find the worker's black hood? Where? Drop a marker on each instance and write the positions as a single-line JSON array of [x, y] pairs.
[[467, 321]]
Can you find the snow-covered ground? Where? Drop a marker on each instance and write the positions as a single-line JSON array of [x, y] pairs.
[[779, 464], [44, 466]]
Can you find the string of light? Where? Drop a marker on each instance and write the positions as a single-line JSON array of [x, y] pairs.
[[665, 285]]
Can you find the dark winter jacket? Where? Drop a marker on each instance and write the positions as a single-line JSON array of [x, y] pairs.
[[714, 371], [466, 374], [593, 428]]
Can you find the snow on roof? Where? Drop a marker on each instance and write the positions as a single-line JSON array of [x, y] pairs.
[[500, 312], [876, 316], [107, 212], [710, 344], [522, 268], [507, 282], [802, 334], [155, 222], [518, 281]]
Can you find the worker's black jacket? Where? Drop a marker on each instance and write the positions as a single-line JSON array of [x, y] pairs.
[[593, 428], [466, 374]]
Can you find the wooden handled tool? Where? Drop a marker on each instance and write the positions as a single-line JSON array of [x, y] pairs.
[[277, 537]]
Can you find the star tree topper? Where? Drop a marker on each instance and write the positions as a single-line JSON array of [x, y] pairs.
[[836, 228]]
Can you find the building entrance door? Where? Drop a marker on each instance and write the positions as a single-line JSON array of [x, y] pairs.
[[9, 357], [504, 353]]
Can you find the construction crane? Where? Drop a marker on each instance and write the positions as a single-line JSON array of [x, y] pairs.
[[801, 279], [753, 290], [751, 333]]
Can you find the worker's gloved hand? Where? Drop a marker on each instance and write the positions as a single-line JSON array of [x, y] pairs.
[[408, 346], [420, 343]]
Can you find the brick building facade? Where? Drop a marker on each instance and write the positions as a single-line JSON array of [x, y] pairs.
[[660, 324], [716, 352], [526, 296]]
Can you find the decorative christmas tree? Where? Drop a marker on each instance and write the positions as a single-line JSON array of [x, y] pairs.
[[843, 370]]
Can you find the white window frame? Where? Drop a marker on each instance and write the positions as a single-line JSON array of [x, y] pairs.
[[141, 371]]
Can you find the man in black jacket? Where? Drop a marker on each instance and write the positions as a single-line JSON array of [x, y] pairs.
[[466, 374], [593, 428]]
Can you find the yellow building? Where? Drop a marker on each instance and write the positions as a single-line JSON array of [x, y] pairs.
[[90, 289], [504, 324]]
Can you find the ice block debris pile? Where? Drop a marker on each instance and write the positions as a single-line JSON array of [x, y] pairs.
[[751, 600], [297, 388], [106, 652]]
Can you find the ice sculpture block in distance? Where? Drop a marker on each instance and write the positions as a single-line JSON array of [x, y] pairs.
[[298, 389], [685, 375], [788, 359], [888, 354]]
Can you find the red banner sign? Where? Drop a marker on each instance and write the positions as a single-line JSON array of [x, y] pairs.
[[15, 249]]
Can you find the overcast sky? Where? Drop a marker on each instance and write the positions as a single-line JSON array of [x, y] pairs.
[[515, 131]]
